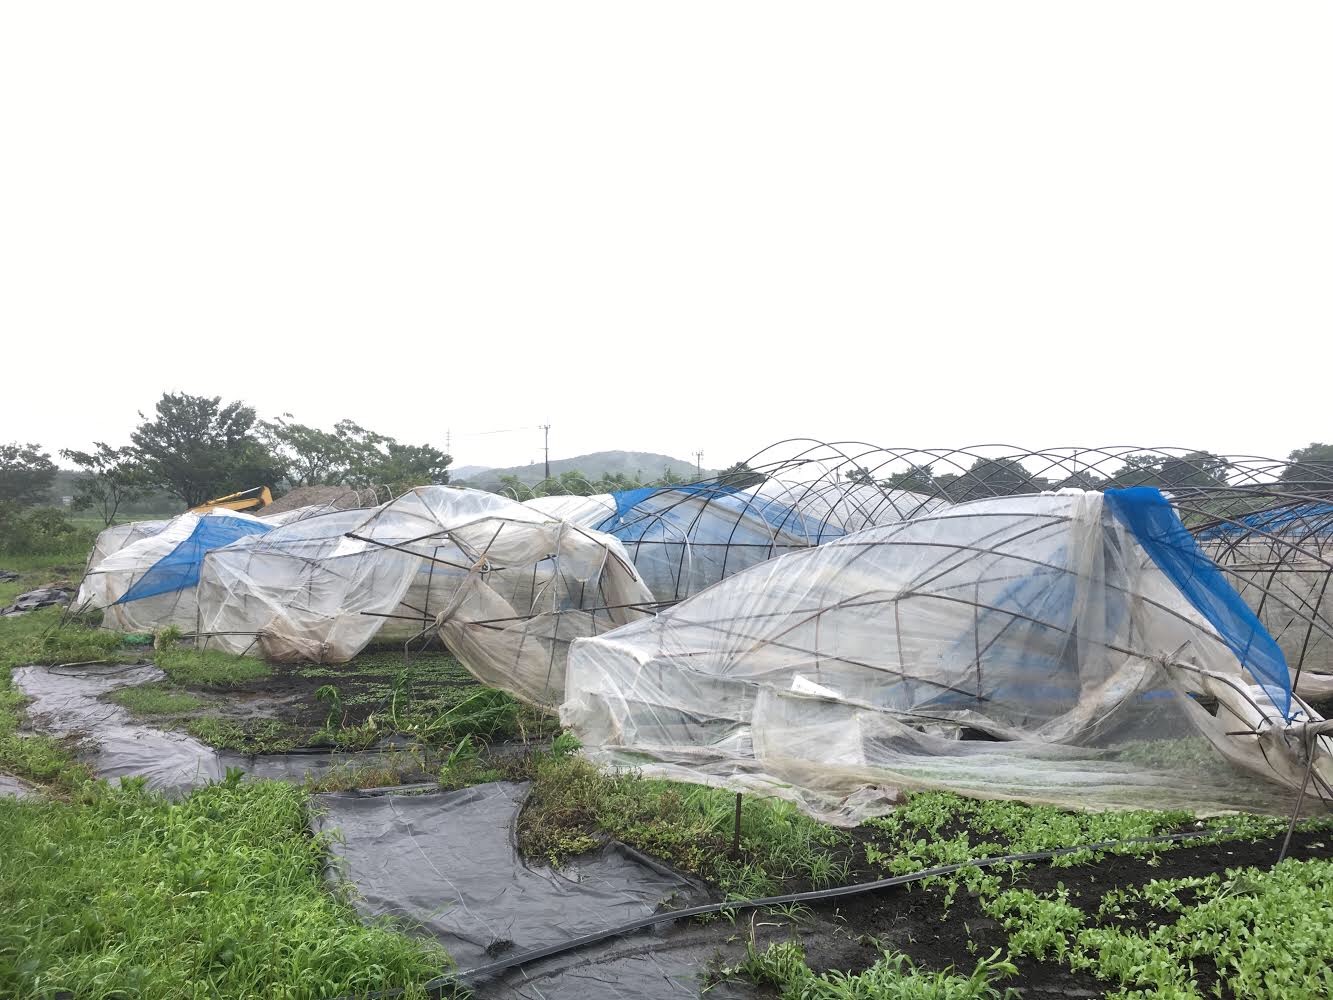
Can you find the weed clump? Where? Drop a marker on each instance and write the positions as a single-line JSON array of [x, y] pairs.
[[573, 805], [208, 667]]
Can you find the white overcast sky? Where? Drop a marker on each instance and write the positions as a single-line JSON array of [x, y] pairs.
[[673, 226]]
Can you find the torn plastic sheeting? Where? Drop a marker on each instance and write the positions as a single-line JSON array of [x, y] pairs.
[[45, 597], [66, 702], [449, 862], [837, 675]]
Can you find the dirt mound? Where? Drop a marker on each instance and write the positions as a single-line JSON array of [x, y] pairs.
[[342, 497]]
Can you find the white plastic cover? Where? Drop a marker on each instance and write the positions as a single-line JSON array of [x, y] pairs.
[[587, 512], [110, 541], [1019, 647], [508, 586]]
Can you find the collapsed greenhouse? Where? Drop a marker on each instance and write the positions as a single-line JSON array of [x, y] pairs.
[[1073, 648], [685, 538], [505, 586], [834, 624]]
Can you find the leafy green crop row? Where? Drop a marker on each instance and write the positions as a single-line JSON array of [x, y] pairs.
[[893, 977], [1265, 933]]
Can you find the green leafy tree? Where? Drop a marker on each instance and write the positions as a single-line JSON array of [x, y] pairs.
[[309, 456], [860, 475], [1197, 468], [996, 477], [1139, 470], [1081, 480], [351, 454], [196, 448], [377, 459], [25, 474], [112, 478], [1311, 468], [917, 478], [39, 531], [740, 476]]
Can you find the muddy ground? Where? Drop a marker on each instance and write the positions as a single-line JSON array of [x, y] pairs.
[[352, 705]]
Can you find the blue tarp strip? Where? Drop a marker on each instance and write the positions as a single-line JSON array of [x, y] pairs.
[[1306, 517], [1149, 517], [179, 568], [627, 500], [632, 507]]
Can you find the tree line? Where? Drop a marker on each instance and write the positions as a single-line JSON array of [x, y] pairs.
[[1309, 468], [576, 483], [197, 448]]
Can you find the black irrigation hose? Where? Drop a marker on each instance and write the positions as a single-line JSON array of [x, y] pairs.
[[467, 976]]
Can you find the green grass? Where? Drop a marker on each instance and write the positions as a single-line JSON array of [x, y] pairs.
[[154, 699], [209, 667], [37, 638], [220, 895]]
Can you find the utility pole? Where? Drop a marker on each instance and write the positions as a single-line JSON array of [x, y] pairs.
[[699, 463], [546, 429]]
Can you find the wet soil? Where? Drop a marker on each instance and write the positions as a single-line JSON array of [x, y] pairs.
[[285, 709], [916, 921]]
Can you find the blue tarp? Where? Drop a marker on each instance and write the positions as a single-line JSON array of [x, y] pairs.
[[179, 568], [1150, 518], [1300, 518], [632, 508]]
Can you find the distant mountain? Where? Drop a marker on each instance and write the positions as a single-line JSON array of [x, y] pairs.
[[467, 471], [644, 465]]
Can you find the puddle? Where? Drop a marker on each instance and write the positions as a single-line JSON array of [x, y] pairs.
[[67, 701], [13, 788], [668, 965], [448, 862]]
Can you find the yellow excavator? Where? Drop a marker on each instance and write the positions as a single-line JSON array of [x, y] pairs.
[[253, 500]]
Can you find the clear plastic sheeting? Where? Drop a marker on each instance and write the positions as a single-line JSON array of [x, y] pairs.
[[686, 538], [448, 863], [508, 586], [588, 511], [109, 541], [1281, 562], [1026, 647]]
